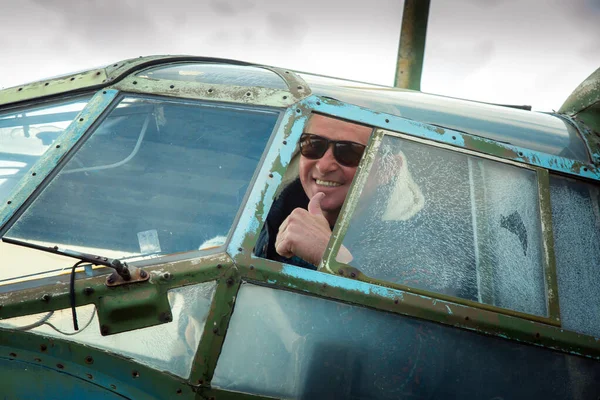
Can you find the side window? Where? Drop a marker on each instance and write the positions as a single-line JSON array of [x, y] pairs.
[[450, 223], [155, 177], [27, 133], [576, 227]]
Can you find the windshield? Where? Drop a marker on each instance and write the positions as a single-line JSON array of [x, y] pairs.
[[156, 177]]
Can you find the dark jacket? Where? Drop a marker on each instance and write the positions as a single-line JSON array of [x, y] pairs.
[[291, 197]]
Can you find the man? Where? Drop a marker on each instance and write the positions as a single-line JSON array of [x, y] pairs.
[[301, 219]]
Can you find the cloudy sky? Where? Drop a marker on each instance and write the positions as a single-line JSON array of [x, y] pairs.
[[503, 51]]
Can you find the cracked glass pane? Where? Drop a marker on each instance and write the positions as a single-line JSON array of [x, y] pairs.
[[451, 223]]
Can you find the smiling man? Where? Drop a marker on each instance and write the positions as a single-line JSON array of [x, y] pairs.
[[301, 219]]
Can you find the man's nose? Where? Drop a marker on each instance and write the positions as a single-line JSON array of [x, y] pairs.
[[327, 163]]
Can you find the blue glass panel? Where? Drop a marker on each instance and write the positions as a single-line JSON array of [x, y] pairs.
[[451, 223], [222, 74], [155, 177], [531, 130], [27, 133], [289, 345], [576, 226]]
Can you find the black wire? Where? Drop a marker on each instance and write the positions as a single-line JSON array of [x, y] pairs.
[[72, 294]]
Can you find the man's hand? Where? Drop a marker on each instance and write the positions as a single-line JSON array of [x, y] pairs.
[[305, 233]]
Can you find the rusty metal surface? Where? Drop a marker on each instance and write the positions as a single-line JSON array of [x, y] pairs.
[[584, 96], [411, 49]]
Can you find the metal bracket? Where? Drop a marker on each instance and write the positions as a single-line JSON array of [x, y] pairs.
[[136, 274]]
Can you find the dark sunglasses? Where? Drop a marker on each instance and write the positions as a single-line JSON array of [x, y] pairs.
[[345, 152]]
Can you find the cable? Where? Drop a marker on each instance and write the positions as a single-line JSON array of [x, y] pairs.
[[72, 333], [72, 294], [41, 322], [117, 164]]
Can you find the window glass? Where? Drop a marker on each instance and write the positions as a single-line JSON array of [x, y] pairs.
[[450, 223], [531, 130], [156, 177], [27, 133], [166, 347], [576, 227], [222, 74], [288, 345]]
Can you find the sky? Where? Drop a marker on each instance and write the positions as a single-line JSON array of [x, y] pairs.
[[527, 52]]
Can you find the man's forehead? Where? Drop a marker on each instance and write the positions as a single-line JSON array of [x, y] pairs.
[[338, 129]]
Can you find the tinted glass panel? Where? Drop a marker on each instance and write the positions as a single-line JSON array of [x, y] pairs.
[[26, 134], [156, 177], [166, 347], [450, 223], [576, 226], [223, 74], [532, 130], [288, 345]]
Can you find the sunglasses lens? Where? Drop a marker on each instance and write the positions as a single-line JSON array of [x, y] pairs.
[[312, 146], [348, 153]]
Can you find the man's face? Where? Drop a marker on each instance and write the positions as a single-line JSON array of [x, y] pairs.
[[326, 174]]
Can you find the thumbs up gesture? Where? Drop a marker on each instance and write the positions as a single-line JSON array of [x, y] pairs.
[[305, 233]]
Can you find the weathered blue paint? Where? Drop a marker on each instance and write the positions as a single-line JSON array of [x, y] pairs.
[[452, 137], [269, 178], [63, 144]]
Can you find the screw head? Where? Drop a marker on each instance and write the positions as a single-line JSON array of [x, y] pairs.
[[88, 291], [143, 274]]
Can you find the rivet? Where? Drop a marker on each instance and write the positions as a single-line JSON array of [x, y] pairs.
[[88, 291], [58, 146], [324, 286], [135, 82], [341, 272], [115, 65], [43, 347], [210, 90], [20, 89], [60, 366], [585, 169], [240, 249], [72, 79], [270, 175], [299, 87], [37, 359], [387, 121], [453, 137], [135, 374], [179, 391], [287, 72], [13, 355], [318, 103], [110, 280], [46, 297], [298, 110], [89, 360], [98, 73], [466, 318], [89, 376], [251, 267], [104, 92], [248, 94], [47, 83], [80, 119], [521, 154], [113, 387], [352, 274], [229, 281], [9, 202], [284, 97], [285, 142], [219, 266], [395, 301], [33, 174], [166, 276], [215, 330], [172, 86], [143, 274]]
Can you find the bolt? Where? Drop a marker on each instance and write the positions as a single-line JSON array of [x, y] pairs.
[[88, 291], [285, 142], [299, 87], [60, 366], [240, 249], [318, 103], [387, 121], [135, 82], [43, 347], [341, 272], [352, 274], [104, 329], [172, 86], [89, 360], [270, 175], [229, 281], [251, 267], [179, 391], [13, 355], [219, 266], [166, 276], [143, 274], [46, 297], [89, 376], [215, 330], [135, 374], [110, 280]]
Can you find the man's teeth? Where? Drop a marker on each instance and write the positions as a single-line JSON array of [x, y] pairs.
[[327, 183]]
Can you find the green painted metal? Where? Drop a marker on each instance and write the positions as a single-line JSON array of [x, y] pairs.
[[548, 246], [411, 50], [113, 372], [215, 327], [205, 91], [584, 96], [217, 394]]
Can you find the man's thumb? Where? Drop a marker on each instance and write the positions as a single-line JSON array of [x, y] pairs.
[[314, 206]]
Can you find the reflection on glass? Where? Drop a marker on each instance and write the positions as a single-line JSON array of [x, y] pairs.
[[288, 345], [26, 134], [222, 74], [156, 177], [166, 347], [531, 130], [576, 227], [450, 223]]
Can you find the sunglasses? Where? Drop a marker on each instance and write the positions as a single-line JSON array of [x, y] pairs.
[[345, 152]]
